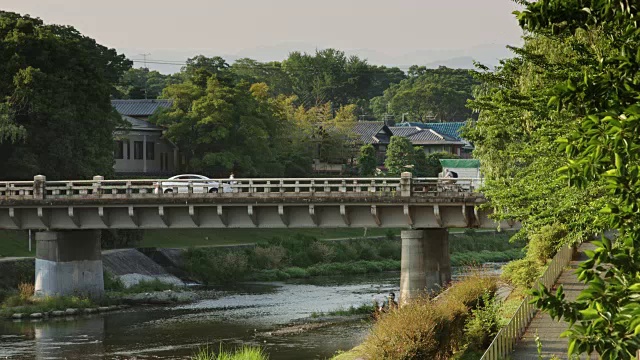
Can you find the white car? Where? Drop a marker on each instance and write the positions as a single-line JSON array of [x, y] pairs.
[[200, 184]]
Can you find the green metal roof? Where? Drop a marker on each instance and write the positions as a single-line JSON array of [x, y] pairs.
[[460, 163]]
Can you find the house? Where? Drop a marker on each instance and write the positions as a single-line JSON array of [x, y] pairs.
[[449, 129], [141, 148], [378, 134], [429, 140]]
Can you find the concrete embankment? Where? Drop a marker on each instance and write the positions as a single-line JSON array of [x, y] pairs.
[[132, 266]]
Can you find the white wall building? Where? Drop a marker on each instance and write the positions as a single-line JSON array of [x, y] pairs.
[[141, 148]]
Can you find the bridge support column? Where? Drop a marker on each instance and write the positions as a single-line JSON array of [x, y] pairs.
[[69, 263], [425, 263]]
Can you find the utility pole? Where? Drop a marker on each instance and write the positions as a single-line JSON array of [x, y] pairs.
[[144, 56]]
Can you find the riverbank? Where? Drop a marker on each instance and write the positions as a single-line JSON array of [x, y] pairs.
[[302, 257]]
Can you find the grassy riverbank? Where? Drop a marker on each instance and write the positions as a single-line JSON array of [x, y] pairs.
[[304, 256], [430, 329]]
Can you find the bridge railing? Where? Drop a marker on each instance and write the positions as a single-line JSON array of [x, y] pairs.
[[403, 186], [506, 339]]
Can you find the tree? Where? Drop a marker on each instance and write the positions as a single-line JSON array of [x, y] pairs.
[[603, 146], [141, 84], [420, 162], [433, 167], [367, 160], [56, 118], [400, 156], [429, 94]]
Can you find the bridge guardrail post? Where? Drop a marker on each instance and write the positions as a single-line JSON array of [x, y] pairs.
[[39, 186], [405, 184], [97, 185]]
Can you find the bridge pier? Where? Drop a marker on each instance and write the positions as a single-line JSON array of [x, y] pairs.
[[425, 263], [69, 263]]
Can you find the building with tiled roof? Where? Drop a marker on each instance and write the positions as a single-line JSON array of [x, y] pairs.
[[140, 108], [140, 148], [450, 129], [379, 134]]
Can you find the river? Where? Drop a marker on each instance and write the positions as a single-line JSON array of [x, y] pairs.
[[245, 314]]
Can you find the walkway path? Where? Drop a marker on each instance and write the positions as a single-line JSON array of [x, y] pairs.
[[547, 329]]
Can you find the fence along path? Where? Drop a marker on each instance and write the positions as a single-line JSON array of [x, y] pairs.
[[506, 339]]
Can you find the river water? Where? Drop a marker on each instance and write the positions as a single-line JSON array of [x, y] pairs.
[[245, 314]]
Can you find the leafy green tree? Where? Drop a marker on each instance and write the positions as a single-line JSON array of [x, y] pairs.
[[433, 167], [400, 156], [420, 162], [330, 76], [603, 146], [429, 94], [141, 83], [270, 73], [56, 117], [367, 160]]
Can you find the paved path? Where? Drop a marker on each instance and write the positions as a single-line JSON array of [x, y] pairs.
[[547, 329]]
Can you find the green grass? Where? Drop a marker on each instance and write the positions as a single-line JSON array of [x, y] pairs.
[[173, 238], [243, 353], [16, 243], [44, 305]]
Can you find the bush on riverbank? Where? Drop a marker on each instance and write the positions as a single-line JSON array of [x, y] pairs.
[[428, 329], [304, 256], [24, 300], [243, 353]]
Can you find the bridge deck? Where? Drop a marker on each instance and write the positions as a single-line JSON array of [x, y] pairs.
[[269, 203]]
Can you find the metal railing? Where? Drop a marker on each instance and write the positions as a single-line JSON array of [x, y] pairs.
[[506, 339], [403, 186]]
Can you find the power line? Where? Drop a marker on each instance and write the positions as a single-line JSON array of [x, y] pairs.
[[146, 61]]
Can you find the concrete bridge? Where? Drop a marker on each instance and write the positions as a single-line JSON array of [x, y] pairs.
[[72, 212]]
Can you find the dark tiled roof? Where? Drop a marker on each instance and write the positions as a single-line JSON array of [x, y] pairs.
[[140, 107], [428, 136], [368, 132], [137, 124], [404, 130], [451, 129]]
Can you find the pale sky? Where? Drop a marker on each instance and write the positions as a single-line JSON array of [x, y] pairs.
[[387, 32]]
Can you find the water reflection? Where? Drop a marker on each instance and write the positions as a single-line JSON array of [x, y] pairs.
[[244, 314], [66, 338]]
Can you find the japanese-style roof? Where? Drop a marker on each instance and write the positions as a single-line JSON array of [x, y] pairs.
[[376, 132], [372, 132], [141, 125], [404, 131], [460, 163], [451, 129], [140, 107], [428, 136]]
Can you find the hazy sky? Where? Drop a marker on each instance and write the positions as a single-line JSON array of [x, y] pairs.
[[383, 31]]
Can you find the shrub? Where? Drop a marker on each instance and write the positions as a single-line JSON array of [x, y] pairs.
[[426, 329], [544, 243], [215, 265], [522, 273], [26, 291], [150, 286], [320, 252], [269, 257], [484, 323], [112, 282]]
